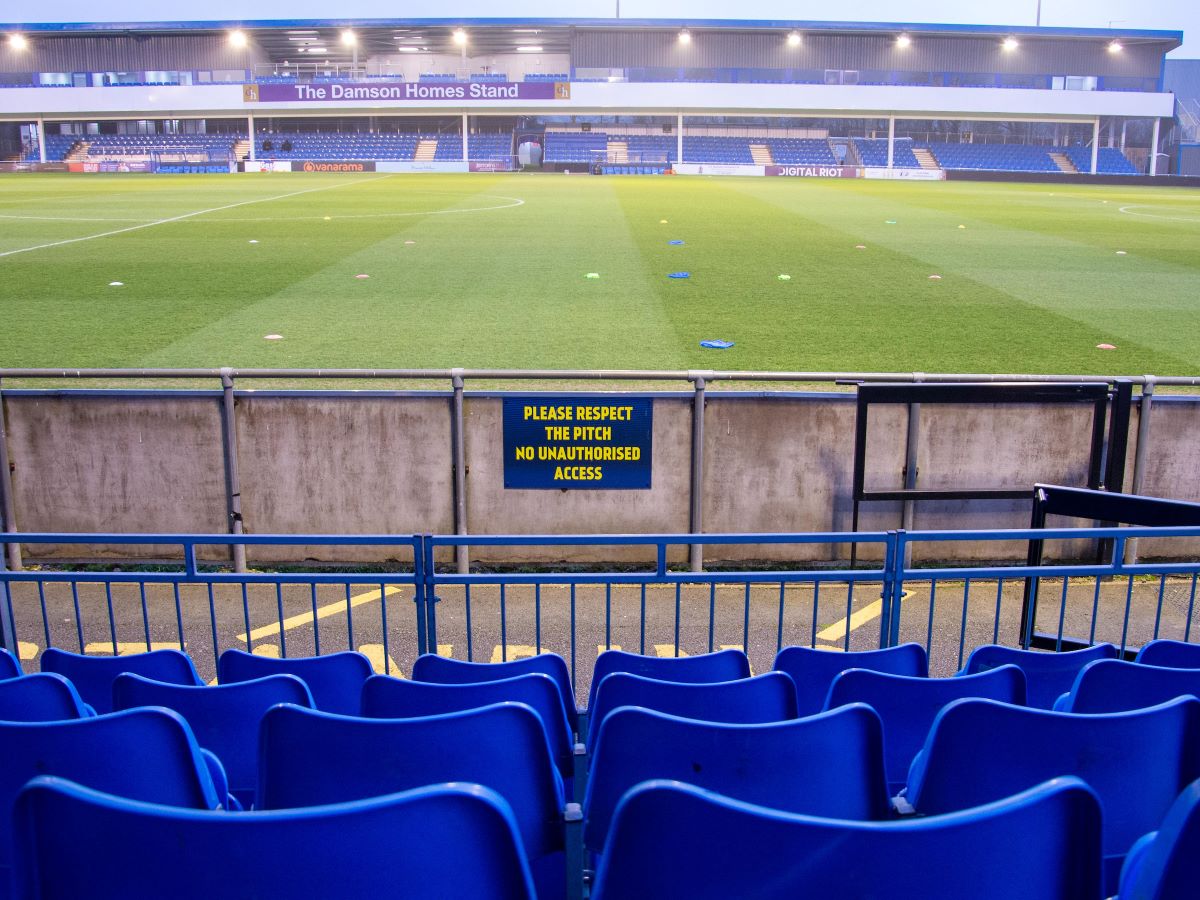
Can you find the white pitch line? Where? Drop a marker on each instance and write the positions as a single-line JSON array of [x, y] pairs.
[[1128, 210], [199, 212], [67, 219]]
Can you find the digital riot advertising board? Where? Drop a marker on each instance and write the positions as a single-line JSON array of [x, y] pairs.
[[557, 443]]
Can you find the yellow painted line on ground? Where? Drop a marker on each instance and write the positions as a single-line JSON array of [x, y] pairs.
[[868, 613], [126, 648], [323, 612], [27, 650]]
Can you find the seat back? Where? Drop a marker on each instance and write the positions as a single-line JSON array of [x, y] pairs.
[[443, 670], [675, 840], [10, 666], [309, 758], [1046, 674], [224, 718], [1165, 865], [1173, 654], [830, 764], [335, 680], [76, 842], [42, 697], [769, 697], [93, 676], [908, 705], [1113, 685], [724, 665], [1137, 762], [813, 671], [393, 698], [142, 754]]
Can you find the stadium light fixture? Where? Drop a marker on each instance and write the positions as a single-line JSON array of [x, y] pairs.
[[903, 41], [1115, 47], [349, 38], [237, 39], [460, 37], [526, 49], [1010, 44], [685, 37], [794, 39], [17, 41]]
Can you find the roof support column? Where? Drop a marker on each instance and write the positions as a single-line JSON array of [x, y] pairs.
[[1154, 148], [250, 134], [41, 136], [1095, 143], [679, 138], [466, 126], [891, 141]]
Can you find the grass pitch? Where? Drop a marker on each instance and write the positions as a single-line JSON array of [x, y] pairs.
[[489, 271]]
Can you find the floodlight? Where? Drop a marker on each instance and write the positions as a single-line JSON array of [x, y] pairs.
[[1010, 44], [17, 41], [1115, 47], [349, 38], [794, 39], [237, 38], [527, 49], [685, 37], [903, 40], [460, 37]]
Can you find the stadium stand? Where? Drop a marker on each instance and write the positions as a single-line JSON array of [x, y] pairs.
[[492, 147], [574, 147], [57, 147], [1047, 675], [799, 151], [142, 145], [363, 145], [873, 152], [1109, 160], [995, 157], [728, 150]]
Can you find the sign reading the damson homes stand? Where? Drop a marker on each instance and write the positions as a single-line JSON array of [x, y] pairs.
[[577, 442]]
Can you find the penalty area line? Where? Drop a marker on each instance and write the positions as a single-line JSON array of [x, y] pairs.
[[180, 218]]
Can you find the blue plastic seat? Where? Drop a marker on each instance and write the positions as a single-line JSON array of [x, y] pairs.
[[813, 671], [830, 764], [42, 697], [433, 842], [394, 698], [770, 697], [335, 680], [10, 666], [724, 665], [443, 670], [1137, 762], [309, 758], [224, 718], [907, 705], [1165, 864], [1173, 654], [144, 754], [93, 676], [1113, 685], [675, 840], [1047, 675]]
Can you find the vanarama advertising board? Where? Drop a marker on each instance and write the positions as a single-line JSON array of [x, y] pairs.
[[556, 443]]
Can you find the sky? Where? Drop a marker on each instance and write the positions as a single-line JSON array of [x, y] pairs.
[[1171, 15]]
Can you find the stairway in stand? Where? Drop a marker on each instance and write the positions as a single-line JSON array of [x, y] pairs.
[[1064, 163], [426, 150], [925, 158], [761, 154]]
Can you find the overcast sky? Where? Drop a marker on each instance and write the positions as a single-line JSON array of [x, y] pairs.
[[1173, 15]]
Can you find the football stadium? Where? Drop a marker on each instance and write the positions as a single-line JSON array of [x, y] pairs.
[[396, 409]]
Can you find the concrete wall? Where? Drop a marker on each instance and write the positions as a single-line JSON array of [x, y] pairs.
[[382, 463]]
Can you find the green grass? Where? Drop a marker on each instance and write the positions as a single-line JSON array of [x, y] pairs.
[[1032, 283]]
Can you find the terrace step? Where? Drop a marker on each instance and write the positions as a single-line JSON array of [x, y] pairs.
[[925, 158], [761, 154], [426, 150], [78, 152], [618, 151], [1063, 162], [241, 149]]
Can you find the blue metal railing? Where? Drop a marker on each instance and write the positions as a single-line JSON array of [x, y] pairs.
[[885, 601]]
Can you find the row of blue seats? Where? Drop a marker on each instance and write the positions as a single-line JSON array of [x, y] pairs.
[[843, 744], [1109, 160], [1001, 157]]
